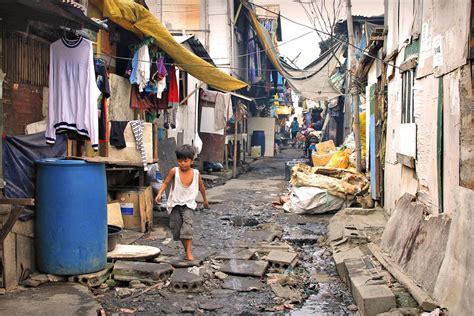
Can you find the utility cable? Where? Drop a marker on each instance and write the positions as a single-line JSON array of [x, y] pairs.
[[246, 4]]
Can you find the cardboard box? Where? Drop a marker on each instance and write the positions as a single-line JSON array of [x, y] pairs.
[[131, 153], [136, 205]]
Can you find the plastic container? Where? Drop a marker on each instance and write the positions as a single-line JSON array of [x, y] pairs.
[[71, 216], [258, 139], [256, 151]]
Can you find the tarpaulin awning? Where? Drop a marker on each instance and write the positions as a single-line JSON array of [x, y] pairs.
[[313, 82], [136, 18]]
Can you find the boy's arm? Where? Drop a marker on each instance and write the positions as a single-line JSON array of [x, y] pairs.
[[202, 189], [167, 181]]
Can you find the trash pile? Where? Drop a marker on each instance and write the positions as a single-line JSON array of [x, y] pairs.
[[330, 185]]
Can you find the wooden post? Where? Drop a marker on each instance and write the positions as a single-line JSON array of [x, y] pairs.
[[236, 127]]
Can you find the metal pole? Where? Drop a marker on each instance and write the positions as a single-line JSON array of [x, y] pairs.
[[351, 91]]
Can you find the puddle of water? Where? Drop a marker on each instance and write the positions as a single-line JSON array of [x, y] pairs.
[[332, 295]]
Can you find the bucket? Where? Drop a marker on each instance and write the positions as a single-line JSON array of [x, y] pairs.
[[114, 234]]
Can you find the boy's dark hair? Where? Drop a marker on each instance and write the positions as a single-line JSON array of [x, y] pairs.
[[185, 152]]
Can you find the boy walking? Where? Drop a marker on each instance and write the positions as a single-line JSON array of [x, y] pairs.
[[185, 184]]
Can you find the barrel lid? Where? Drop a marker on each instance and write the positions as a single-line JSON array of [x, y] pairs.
[[60, 161]]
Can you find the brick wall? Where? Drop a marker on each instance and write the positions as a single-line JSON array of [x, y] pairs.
[[22, 105]]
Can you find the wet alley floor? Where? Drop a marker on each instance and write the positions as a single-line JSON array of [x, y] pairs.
[[242, 223]]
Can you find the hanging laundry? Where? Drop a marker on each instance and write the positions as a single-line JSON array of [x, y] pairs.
[[137, 129], [252, 59], [279, 36], [222, 110], [173, 92], [73, 91], [141, 67], [117, 138], [160, 71], [102, 79], [208, 96], [140, 101]]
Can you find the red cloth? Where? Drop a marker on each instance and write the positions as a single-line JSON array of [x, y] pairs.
[[138, 102], [173, 92]]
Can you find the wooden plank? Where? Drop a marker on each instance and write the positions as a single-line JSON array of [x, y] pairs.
[[8, 224], [423, 298], [22, 202], [155, 141], [26, 229], [406, 160], [25, 257], [9, 262]]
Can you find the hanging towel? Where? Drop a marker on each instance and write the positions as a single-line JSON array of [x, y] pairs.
[[117, 138], [222, 110], [173, 92], [137, 129], [141, 67]]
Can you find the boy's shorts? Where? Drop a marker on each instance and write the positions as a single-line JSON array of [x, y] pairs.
[[181, 222]]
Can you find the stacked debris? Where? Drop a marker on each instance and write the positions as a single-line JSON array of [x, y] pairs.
[[317, 190]]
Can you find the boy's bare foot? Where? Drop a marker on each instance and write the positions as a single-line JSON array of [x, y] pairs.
[[189, 258]]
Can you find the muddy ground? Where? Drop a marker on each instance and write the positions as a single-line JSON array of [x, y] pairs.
[[242, 217]]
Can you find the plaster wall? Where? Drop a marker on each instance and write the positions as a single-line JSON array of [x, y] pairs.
[[219, 37]]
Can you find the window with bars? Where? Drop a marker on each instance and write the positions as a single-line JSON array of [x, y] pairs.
[[408, 109]]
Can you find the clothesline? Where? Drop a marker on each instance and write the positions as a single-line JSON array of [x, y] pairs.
[[177, 64]]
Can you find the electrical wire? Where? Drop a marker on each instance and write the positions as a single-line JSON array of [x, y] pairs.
[[245, 4]]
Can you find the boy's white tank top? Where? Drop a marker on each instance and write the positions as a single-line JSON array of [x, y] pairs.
[[181, 195]]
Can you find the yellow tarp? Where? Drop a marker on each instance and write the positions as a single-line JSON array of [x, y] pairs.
[[136, 18]]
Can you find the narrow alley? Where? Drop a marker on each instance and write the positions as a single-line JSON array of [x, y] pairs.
[[243, 224], [236, 157]]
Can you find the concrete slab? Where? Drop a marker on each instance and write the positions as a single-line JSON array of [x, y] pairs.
[[267, 247], [373, 299], [142, 271], [133, 252], [244, 267], [242, 284], [184, 281], [50, 299], [244, 254], [342, 253]]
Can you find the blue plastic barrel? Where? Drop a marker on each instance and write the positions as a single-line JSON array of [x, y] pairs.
[[258, 139], [71, 216]]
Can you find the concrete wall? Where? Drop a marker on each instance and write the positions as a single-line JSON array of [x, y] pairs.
[[441, 64], [266, 124]]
